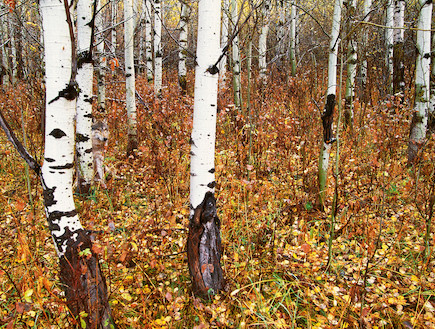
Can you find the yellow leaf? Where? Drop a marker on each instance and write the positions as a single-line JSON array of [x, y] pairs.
[[27, 295], [126, 296]]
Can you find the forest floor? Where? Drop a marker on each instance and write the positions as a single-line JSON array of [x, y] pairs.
[[275, 238]]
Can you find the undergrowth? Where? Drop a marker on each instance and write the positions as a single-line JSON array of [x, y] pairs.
[[274, 237]]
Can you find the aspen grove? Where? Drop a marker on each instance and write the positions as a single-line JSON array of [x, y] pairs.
[[217, 164]]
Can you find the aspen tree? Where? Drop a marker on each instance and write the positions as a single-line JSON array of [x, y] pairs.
[[293, 39], [366, 11], [184, 17], [80, 274], [5, 70], [85, 72], [262, 42], [237, 83], [130, 76], [102, 63], [158, 55], [204, 242], [398, 50], [389, 44], [351, 63], [224, 42], [114, 14], [148, 40], [13, 46], [280, 34], [417, 134], [328, 113]]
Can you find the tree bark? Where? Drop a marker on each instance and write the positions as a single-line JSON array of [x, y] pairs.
[[364, 65], [130, 77], [237, 84], [148, 40], [158, 55], [398, 50], [102, 65], [328, 113], [84, 284], [184, 18], [389, 44], [85, 72], [417, 133], [351, 64], [262, 43], [204, 243], [224, 42]]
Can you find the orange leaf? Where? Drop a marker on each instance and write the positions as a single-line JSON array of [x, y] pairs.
[[306, 248]]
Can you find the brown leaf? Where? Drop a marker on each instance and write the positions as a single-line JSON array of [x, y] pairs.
[[97, 249]]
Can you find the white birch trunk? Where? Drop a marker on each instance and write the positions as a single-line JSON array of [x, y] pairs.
[[328, 114], [12, 37], [262, 43], [85, 72], [237, 84], [352, 58], [5, 56], [114, 13], [280, 34], [398, 51], [389, 44], [130, 88], [366, 11], [417, 135], [182, 71], [204, 244], [59, 127], [148, 40], [293, 39], [102, 64], [158, 56], [224, 42]]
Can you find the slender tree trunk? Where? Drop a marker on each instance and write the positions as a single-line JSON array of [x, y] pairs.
[[80, 274], [364, 65], [280, 34], [389, 44], [328, 113], [351, 64], [85, 72], [237, 83], [148, 40], [130, 88], [5, 69], [113, 40], [417, 133], [204, 242], [102, 65], [13, 51], [184, 18], [224, 42], [262, 43], [398, 50], [293, 39], [431, 112], [158, 55]]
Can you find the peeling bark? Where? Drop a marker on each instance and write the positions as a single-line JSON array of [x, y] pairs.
[[84, 285], [204, 248]]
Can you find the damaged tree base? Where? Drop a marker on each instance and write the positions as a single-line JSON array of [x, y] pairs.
[[204, 249], [84, 285]]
